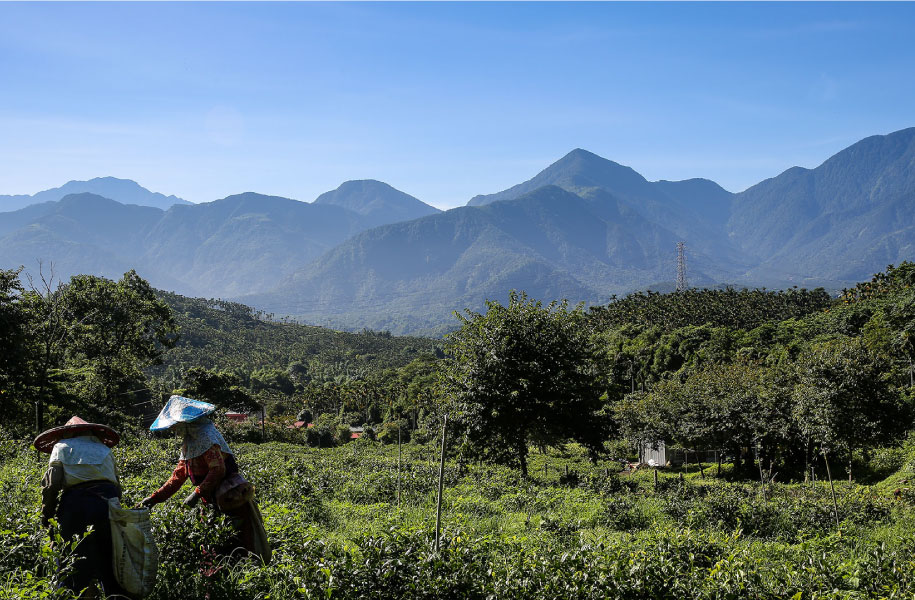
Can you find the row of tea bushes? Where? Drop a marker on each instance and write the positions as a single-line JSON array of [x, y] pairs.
[[338, 532]]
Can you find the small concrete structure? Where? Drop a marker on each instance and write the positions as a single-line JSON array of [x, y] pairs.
[[658, 453]]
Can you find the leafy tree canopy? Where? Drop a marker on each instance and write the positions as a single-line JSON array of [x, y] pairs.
[[739, 309], [524, 373]]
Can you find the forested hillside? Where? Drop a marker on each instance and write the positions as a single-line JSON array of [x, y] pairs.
[[838, 221], [289, 367], [114, 350], [228, 335]]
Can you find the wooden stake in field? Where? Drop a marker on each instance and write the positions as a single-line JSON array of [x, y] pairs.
[[441, 479], [835, 505]]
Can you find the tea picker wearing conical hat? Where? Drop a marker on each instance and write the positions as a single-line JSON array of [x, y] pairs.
[[80, 479], [209, 463]]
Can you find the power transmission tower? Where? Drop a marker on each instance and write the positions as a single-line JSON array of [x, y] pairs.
[[681, 267]]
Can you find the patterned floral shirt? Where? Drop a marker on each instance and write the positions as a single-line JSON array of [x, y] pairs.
[[206, 471]]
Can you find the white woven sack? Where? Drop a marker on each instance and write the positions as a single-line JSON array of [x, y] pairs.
[[136, 557]]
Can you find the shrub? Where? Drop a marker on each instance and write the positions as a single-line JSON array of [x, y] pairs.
[[387, 433], [321, 434], [342, 434]]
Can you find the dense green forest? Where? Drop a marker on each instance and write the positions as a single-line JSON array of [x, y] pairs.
[[836, 381], [793, 390], [288, 367], [784, 374], [114, 350]]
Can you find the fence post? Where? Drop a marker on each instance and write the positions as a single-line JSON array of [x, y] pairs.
[[835, 505], [441, 478]]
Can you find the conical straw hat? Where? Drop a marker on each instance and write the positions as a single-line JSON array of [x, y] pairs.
[[74, 427]]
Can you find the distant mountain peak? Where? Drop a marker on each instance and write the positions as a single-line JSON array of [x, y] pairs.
[[109, 178], [577, 170], [588, 157], [377, 200], [125, 191], [365, 184], [903, 134], [857, 203], [582, 153]]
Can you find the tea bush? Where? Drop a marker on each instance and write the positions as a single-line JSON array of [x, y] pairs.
[[775, 512], [338, 531]]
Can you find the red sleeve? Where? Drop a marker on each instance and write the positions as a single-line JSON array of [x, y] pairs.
[[216, 471], [174, 483]]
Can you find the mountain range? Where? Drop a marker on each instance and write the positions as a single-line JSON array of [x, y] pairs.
[[584, 228], [124, 191], [241, 244]]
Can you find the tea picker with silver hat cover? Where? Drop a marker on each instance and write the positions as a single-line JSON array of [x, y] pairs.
[[208, 461]]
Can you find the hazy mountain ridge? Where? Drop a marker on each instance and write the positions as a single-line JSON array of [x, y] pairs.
[[233, 246], [584, 228], [551, 243], [694, 209], [244, 242], [839, 221], [125, 191], [64, 235]]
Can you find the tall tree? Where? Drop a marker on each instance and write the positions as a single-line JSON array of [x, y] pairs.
[[719, 407], [49, 328], [15, 357], [219, 387], [524, 372], [118, 328], [843, 397]]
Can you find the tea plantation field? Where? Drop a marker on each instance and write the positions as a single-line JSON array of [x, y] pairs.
[[338, 531]]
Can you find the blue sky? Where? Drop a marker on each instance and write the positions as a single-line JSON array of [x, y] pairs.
[[443, 101]]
